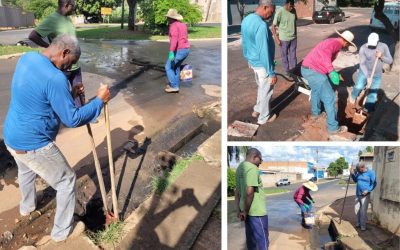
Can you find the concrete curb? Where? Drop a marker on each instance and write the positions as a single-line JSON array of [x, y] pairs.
[[11, 55]]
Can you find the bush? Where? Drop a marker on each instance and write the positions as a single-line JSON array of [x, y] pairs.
[[42, 8], [231, 182], [154, 11]]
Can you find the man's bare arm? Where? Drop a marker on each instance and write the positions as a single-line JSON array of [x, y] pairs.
[[36, 38]]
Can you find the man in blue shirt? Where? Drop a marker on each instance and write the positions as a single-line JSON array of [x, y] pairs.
[[40, 100], [366, 182], [259, 51]]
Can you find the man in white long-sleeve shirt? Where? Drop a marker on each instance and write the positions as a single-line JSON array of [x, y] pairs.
[[368, 53]]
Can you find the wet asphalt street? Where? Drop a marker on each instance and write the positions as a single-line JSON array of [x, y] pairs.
[[284, 218]]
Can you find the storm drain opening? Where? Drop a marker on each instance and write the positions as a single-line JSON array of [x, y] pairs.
[[94, 218]]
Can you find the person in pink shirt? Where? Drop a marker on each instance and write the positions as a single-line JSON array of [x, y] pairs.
[[304, 200], [178, 49], [318, 70]]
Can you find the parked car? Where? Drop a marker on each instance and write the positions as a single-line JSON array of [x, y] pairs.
[[329, 14], [282, 182], [391, 10]]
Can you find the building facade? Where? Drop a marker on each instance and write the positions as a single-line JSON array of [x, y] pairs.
[[386, 196]]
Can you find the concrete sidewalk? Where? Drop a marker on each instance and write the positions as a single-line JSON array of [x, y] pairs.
[[374, 237]]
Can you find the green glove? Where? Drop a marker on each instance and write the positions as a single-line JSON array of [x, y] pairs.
[[313, 201], [334, 76], [306, 206], [171, 56]]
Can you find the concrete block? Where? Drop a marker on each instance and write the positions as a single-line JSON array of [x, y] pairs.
[[211, 149], [345, 229], [331, 245], [354, 243]]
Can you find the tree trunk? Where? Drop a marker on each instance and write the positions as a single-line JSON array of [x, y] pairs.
[[132, 14]]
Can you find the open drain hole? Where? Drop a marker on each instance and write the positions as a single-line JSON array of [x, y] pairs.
[[94, 218]]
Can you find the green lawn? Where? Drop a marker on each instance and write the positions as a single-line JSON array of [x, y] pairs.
[[160, 184], [125, 34], [9, 50], [273, 190]]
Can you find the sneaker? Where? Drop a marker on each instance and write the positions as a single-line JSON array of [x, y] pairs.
[[340, 130], [357, 225], [269, 120], [171, 90], [363, 229], [255, 114]]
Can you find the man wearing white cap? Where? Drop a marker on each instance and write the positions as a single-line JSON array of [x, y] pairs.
[[318, 70], [368, 53], [178, 49]]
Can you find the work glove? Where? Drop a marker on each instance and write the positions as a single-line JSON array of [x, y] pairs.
[[171, 56], [306, 206], [334, 76], [313, 201]]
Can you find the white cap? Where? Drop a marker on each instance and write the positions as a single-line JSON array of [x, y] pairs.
[[373, 39]]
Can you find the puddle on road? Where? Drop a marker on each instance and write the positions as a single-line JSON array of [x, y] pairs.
[[319, 236]]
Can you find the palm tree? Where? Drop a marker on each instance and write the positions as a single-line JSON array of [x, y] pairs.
[[234, 152]]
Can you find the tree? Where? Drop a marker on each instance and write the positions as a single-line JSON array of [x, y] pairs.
[[154, 13], [369, 149], [132, 14], [336, 168], [231, 181], [42, 8], [93, 7], [236, 151], [394, 32]]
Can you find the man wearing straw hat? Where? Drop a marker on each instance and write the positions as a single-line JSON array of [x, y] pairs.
[[250, 201], [318, 70], [40, 101], [178, 49], [366, 182], [304, 200], [369, 52]]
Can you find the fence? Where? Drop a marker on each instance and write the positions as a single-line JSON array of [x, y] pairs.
[[15, 18]]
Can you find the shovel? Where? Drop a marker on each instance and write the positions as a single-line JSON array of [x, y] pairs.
[[359, 117], [110, 217], [111, 163]]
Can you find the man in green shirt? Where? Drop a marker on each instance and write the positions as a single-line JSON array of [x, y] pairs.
[[54, 25], [250, 201], [285, 32]]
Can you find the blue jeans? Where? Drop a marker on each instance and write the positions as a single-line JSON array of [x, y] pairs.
[[361, 209], [257, 232], [49, 163], [288, 54], [321, 91], [304, 211], [173, 68], [372, 93]]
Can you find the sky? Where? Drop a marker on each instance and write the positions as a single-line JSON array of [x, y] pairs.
[[326, 154]]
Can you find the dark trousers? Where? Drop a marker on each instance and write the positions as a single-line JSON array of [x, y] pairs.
[[257, 232], [288, 54], [74, 78]]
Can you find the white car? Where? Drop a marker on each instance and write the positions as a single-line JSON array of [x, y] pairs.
[[283, 182], [391, 10]]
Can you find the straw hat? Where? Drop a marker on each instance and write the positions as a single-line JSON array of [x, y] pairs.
[[311, 185], [348, 36], [173, 13]]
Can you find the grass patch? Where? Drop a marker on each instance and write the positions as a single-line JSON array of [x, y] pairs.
[[110, 235], [272, 190], [14, 49], [160, 184], [116, 33]]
